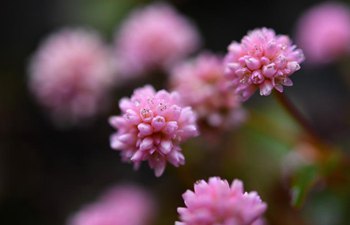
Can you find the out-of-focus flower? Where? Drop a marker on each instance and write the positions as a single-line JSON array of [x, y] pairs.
[[303, 154], [202, 85], [259, 222], [151, 127], [216, 202], [153, 38], [262, 60], [71, 74], [119, 206], [323, 32]]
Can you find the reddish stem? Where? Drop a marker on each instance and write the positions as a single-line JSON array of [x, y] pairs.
[[300, 119]]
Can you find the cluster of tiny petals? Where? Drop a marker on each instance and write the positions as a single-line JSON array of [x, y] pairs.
[[71, 74], [324, 32], [262, 60], [151, 127], [217, 203], [202, 85], [153, 38], [122, 204]]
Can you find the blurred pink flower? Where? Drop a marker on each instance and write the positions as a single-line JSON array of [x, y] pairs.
[[202, 85], [259, 222], [151, 127], [303, 154], [323, 32], [71, 74], [216, 202], [153, 38], [262, 60], [119, 206]]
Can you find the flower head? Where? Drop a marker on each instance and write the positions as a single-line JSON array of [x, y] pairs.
[[202, 85], [153, 38], [262, 60], [323, 32], [119, 206], [216, 202], [70, 74], [151, 127], [303, 154]]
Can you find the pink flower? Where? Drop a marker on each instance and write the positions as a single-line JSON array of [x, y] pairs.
[[216, 202], [71, 74], [153, 38], [262, 60], [259, 222], [324, 32], [303, 154], [151, 127], [202, 85], [119, 206]]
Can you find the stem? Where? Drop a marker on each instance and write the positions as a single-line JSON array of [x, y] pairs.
[[325, 151], [299, 118]]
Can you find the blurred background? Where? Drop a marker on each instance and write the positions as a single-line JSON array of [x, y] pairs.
[[48, 173]]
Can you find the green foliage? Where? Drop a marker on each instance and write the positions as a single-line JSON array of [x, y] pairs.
[[304, 178]]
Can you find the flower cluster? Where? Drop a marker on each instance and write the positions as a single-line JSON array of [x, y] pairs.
[[73, 71], [202, 85], [216, 202], [262, 60], [151, 127], [119, 206], [153, 38], [71, 74], [323, 32]]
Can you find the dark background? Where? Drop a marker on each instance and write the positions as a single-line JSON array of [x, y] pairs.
[[47, 173]]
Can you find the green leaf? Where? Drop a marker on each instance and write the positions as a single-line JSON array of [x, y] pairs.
[[303, 181]]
